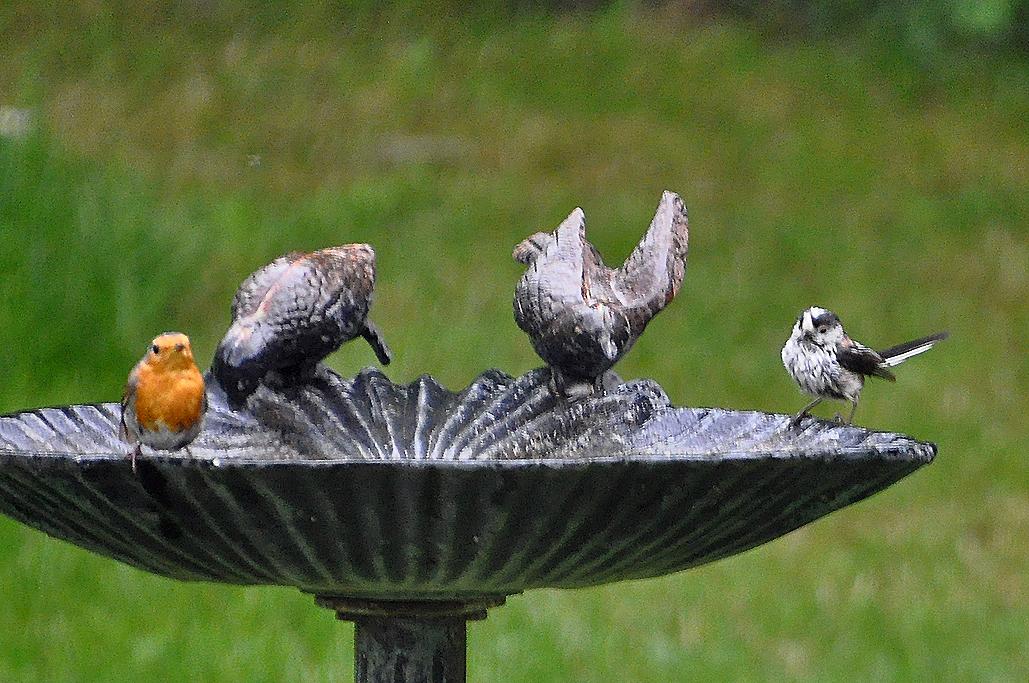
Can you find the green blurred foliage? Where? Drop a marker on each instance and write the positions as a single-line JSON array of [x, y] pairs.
[[928, 30], [177, 146]]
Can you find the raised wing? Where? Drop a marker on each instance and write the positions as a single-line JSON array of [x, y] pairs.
[[655, 269]]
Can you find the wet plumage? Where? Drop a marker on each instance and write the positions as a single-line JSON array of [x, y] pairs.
[[165, 400], [582, 316], [295, 311], [827, 364]]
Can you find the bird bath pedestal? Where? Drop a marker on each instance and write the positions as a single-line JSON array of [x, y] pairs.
[[409, 509], [409, 641]]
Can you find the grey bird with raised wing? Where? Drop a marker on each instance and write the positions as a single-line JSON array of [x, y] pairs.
[[582, 316]]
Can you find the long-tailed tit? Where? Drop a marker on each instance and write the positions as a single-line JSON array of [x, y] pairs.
[[828, 364]]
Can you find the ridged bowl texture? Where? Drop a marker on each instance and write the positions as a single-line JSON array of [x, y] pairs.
[[365, 488]]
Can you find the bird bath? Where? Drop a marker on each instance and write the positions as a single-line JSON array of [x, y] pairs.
[[411, 509]]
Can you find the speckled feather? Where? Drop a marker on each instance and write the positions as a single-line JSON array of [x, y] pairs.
[[826, 363], [817, 371], [295, 311], [583, 316]]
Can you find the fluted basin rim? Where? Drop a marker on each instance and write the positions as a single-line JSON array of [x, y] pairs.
[[914, 451], [361, 487]]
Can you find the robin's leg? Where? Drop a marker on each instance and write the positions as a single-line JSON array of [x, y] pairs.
[[795, 420], [136, 452], [189, 452]]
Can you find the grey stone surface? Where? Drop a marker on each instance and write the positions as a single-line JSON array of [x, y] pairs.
[[367, 488]]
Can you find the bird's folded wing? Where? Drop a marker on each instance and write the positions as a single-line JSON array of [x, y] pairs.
[[863, 360]]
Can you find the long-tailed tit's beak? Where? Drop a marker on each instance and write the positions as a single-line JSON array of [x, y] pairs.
[[807, 324]]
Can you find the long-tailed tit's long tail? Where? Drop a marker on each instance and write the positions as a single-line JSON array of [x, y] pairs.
[[895, 355]]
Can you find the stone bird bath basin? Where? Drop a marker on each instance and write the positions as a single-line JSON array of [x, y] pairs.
[[410, 509]]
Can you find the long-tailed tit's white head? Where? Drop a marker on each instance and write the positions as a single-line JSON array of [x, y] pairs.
[[819, 326]]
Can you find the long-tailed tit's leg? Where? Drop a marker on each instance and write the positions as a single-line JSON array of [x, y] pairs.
[[853, 409], [795, 420]]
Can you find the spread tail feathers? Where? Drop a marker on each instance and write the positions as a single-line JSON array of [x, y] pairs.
[[895, 355]]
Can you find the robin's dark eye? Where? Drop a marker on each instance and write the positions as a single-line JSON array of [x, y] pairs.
[[155, 348]]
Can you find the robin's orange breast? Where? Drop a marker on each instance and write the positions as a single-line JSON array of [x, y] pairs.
[[172, 397]]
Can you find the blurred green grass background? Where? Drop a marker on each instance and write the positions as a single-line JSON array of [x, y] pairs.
[[174, 148]]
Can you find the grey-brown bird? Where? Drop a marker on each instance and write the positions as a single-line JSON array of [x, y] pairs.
[[295, 311], [582, 316]]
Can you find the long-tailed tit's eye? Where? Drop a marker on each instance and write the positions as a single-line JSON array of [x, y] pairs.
[[155, 348], [823, 330]]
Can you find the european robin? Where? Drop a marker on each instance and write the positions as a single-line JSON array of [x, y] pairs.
[[164, 401]]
